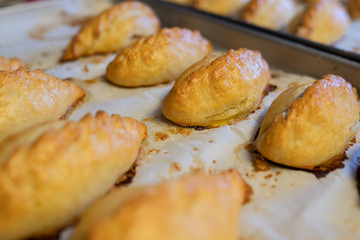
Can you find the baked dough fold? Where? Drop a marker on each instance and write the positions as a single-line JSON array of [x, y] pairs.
[[112, 30], [310, 125], [31, 97], [324, 21], [50, 173], [199, 206], [10, 64], [218, 90], [158, 58], [274, 14]]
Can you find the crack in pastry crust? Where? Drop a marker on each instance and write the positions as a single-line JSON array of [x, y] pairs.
[[218, 91], [31, 97], [158, 58], [50, 173], [113, 29], [317, 127], [197, 206]]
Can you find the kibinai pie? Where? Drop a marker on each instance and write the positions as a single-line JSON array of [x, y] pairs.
[[50, 173], [218, 89], [159, 58], [113, 29], [197, 206], [274, 14], [31, 97], [311, 124], [10, 64], [324, 21]]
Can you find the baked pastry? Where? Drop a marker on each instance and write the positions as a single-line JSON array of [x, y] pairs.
[[324, 21], [221, 7], [274, 14], [158, 58], [113, 29], [198, 206], [218, 90], [354, 8], [31, 97], [50, 173], [310, 125], [10, 64]]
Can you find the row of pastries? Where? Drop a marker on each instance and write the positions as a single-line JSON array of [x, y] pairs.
[[56, 171], [324, 21]]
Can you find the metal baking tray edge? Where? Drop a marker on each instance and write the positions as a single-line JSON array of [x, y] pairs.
[[288, 54]]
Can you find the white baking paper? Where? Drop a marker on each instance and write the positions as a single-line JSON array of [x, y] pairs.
[[286, 204]]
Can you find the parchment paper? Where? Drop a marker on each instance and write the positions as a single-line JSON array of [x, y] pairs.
[[286, 204]]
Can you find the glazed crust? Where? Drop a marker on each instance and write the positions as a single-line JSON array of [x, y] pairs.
[[324, 21], [158, 58], [274, 14], [113, 29], [31, 97], [221, 7], [10, 64], [49, 174], [354, 8], [308, 126], [198, 206], [218, 90]]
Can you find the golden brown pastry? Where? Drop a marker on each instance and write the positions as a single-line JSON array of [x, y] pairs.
[[31, 97], [310, 125], [10, 64], [324, 21], [218, 90], [158, 58], [354, 8], [221, 7], [199, 206], [50, 173], [274, 14], [113, 29]]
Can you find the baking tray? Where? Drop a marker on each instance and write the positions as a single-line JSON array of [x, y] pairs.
[[281, 50], [170, 150]]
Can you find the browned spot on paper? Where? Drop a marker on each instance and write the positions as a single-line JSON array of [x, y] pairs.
[[211, 141], [195, 149], [176, 166], [44, 54], [323, 170], [91, 81], [153, 150], [86, 68], [127, 177], [259, 163], [182, 131], [213, 161], [159, 136], [268, 176]]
